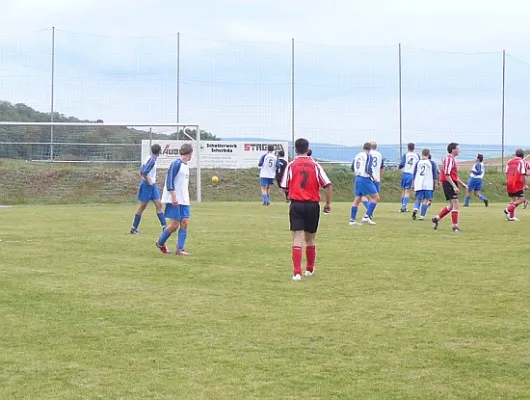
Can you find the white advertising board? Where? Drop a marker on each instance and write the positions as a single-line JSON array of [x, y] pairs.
[[214, 154]]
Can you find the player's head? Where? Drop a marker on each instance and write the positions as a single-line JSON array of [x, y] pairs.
[[519, 153], [374, 145], [367, 146], [430, 156], [309, 153], [270, 148], [426, 153], [156, 149], [480, 157], [301, 146], [186, 151], [411, 146], [281, 153], [453, 149]]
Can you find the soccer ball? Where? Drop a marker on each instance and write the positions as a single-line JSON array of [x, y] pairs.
[[215, 179]]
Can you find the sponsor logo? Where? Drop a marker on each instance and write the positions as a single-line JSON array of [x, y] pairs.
[[221, 148], [168, 151], [261, 147]]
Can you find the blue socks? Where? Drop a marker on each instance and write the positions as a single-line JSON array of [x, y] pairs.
[[266, 198], [353, 214], [164, 237], [136, 221], [417, 204], [183, 233], [162, 219], [371, 209], [405, 201], [466, 201], [366, 204], [481, 197], [424, 208]]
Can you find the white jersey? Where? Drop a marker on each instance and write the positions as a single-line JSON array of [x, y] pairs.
[[408, 162], [149, 168], [425, 173], [377, 164], [177, 180], [477, 171], [268, 163], [362, 164]]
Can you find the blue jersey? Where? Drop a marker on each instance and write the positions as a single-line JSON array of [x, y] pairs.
[[362, 165], [477, 171]]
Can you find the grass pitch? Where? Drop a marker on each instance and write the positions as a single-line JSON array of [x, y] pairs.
[[396, 311]]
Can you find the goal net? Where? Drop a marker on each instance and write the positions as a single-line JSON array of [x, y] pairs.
[[45, 162]]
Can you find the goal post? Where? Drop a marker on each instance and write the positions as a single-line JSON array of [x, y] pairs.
[[93, 142]]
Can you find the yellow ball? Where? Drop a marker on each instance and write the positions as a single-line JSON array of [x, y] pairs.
[[215, 179]]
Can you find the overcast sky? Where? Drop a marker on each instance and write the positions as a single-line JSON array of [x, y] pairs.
[[117, 61]]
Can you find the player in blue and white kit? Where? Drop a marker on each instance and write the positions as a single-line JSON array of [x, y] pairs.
[[364, 185], [475, 181], [425, 177], [148, 191], [378, 165], [176, 197], [268, 164], [407, 164]]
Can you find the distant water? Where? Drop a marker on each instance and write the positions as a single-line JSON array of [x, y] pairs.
[[390, 152]]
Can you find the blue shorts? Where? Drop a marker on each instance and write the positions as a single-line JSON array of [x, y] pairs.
[[177, 213], [266, 181], [146, 193], [406, 181], [474, 184], [378, 186], [364, 186], [424, 194]]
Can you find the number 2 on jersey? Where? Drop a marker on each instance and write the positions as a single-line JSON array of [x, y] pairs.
[[422, 172]]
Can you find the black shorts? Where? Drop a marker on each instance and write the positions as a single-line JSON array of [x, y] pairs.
[[304, 216], [516, 194], [449, 191]]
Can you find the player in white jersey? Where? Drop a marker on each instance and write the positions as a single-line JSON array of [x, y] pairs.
[[407, 164], [268, 164], [362, 166], [377, 170], [474, 184], [148, 191], [425, 178], [176, 197]]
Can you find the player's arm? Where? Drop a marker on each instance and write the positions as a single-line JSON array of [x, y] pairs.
[[382, 169], [369, 169], [325, 183], [402, 162], [414, 173], [435, 175], [261, 160], [170, 180], [146, 168]]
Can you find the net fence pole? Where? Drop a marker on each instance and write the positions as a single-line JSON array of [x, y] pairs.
[[178, 77], [292, 98], [503, 105], [52, 92], [198, 140], [400, 87]]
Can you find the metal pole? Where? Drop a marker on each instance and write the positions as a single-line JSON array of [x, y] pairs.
[[503, 105], [198, 140], [400, 104], [178, 77], [292, 98], [52, 93]]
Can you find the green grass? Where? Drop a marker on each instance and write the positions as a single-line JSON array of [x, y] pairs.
[[396, 311]]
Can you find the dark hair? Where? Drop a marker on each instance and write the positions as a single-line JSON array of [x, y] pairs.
[[270, 147], [480, 157], [430, 157], [425, 152], [185, 149], [451, 146], [411, 146], [156, 149], [281, 153], [301, 146], [367, 146], [309, 152], [519, 153]]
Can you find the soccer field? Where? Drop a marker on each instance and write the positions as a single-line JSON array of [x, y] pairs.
[[395, 311]]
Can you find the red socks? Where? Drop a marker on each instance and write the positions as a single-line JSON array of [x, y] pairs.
[[310, 255], [444, 212], [454, 217], [511, 209], [297, 260]]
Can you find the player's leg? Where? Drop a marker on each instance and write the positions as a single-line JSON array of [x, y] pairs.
[[296, 226], [374, 200], [449, 195], [312, 218], [358, 195], [406, 184], [425, 206], [478, 194], [268, 191], [417, 203], [470, 189], [517, 199], [144, 196], [365, 202], [183, 230], [137, 218], [455, 213], [158, 204], [263, 185], [173, 214]]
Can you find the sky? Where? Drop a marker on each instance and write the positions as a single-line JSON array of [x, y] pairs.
[[118, 62]]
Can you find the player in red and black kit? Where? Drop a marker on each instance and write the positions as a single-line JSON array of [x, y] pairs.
[[303, 179], [515, 183], [450, 180], [280, 169]]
